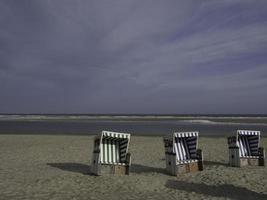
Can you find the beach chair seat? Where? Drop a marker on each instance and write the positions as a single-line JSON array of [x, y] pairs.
[[110, 155], [182, 154], [244, 149]]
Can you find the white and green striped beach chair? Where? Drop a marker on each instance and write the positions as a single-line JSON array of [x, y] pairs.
[[244, 149], [182, 154], [110, 155]]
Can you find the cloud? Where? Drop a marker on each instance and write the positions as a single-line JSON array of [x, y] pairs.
[[133, 56]]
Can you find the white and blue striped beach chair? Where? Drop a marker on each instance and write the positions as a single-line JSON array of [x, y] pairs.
[[244, 149], [110, 155], [182, 154]]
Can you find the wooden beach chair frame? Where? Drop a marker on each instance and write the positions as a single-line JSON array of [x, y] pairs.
[[244, 149], [182, 153], [110, 154]]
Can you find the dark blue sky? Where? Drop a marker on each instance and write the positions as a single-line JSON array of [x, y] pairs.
[[133, 56]]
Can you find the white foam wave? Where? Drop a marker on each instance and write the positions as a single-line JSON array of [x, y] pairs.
[[200, 121], [204, 121]]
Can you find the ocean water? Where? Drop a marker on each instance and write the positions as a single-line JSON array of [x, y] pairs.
[[136, 125]]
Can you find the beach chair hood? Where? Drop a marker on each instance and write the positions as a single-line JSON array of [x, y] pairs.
[[248, 143], [185, 146], [114, 147]]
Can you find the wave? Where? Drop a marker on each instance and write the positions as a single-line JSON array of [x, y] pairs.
[[210, 122], [199, 121]]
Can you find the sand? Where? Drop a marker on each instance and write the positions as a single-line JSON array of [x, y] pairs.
[[57, 167]]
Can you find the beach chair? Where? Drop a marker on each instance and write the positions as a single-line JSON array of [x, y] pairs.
[[182, 155], [110, 155], [244, 149]]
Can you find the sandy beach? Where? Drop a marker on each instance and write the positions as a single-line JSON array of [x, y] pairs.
[[58, 167]]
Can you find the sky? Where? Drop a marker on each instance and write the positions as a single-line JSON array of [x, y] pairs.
[[133, 56]]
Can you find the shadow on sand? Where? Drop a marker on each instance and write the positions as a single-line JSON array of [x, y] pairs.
[[210, 163], [85, 169], [226, 190], [72, 167], [136, 168]]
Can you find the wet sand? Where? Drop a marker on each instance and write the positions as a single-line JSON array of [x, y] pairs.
[[58, 167]]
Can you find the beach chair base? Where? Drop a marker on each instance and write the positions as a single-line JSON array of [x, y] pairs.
[[187, 168], [249, 162], [103, 169], [174, 169], [114, 169], [236, 161]]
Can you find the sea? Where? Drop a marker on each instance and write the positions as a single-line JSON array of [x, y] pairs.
[[139, 125]]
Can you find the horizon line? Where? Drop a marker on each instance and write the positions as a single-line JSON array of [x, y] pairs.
[[135, 114]]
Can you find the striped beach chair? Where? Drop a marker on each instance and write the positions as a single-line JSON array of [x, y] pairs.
[[182, 154], [110, 155], [244, 149]]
